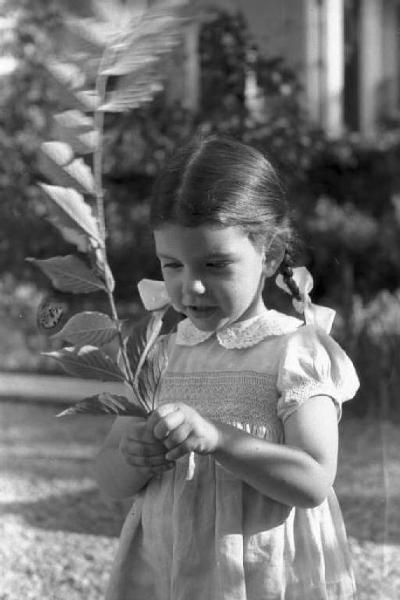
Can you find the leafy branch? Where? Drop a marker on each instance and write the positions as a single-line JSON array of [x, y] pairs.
[[121, 53]]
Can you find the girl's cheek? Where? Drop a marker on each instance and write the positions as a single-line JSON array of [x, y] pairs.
[[173, 289]]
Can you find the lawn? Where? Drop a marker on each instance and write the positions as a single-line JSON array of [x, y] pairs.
[[58, 535]]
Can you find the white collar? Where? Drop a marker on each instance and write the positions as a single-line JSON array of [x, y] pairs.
[[243, 334]]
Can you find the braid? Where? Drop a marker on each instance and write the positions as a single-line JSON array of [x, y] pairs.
[[286, 271]]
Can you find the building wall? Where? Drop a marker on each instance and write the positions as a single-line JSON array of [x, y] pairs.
[[389, 97]]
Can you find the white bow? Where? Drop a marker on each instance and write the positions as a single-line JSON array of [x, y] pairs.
[[319, 316], [153, 294]]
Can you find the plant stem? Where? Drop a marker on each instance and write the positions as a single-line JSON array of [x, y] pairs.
[[124, 356], [101, 88]]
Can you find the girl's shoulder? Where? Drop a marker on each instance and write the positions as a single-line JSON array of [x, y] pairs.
[[312, 363]]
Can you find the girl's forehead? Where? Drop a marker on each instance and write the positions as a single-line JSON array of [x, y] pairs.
[[171, 239]]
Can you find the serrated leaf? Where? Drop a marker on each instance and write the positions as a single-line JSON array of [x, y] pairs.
[[74, 119], [88, 362], [88, 100], [88, 327], [101, 268], [133, 64], [59, 152], [125, 97], [105, 404], [70, 234], [142, 339], [92, 31], [149, 377], [154, 34], [58, 163], [117, 16], [68, 74], [147, 368], [77, 130], [68, 79], [76, 214], [81, 143], [69, 274]]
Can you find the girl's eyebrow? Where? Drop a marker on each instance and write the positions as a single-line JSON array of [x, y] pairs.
[[220, 255], [212, 255]]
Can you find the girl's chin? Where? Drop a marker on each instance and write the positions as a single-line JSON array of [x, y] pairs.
[[206, 319]]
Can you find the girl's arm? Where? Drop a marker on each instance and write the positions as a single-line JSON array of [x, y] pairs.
[[299, 472], [128, 459]]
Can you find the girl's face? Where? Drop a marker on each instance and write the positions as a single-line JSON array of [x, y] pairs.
[[213, 275]]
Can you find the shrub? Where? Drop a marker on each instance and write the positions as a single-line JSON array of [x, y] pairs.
[[374, 344]]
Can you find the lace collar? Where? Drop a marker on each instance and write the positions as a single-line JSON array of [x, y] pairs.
[[243, 334]]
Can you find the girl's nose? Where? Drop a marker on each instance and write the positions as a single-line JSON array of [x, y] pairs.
[[192, 286]]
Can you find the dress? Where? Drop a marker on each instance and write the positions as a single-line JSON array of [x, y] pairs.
[[233, 543]]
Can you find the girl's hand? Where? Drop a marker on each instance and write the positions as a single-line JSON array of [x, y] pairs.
[[141, 449], [182, 429]]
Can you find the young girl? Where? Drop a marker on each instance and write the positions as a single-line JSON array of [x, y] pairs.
[[232, 473]]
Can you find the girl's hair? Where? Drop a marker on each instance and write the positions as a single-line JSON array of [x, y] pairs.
[[226, 183]]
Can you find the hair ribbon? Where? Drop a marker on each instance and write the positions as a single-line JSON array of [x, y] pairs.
[[153, 294], [314, 314]]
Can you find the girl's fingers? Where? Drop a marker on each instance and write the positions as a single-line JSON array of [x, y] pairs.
[[167, 424], [161, 412], [143, 449], [178, 451], [178, 435]]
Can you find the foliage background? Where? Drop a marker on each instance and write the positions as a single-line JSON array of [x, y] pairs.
[[345, 193]]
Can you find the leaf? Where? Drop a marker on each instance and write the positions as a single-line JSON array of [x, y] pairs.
[[57, 162], [88, 327], [68, 79], [59, 152], [75, 120], [69, 274], [100, 267], [130, 93], [105, 404], [147, 368], [75, 213], [142, 338], [68, 75], [77, 130], [154, 34], [95, 34], [88, 100], [152, 369], [88, 362], [133, 64]]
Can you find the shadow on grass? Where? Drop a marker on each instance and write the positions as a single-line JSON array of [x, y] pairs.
[[84, 513], [87, 512], [372, 518]]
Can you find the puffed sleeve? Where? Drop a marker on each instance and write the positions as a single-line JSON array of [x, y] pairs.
[[313, 364]]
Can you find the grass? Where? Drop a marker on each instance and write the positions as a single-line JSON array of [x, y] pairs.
[[58, 535]]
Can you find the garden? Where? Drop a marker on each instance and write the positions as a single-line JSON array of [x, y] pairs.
[[58, 534]]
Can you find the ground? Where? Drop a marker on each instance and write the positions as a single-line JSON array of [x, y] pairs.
[[58, 535]]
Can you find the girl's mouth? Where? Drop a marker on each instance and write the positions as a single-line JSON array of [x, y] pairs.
[[201, 311]]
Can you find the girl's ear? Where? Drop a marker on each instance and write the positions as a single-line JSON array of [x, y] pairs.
[[270, 267], [272, 261]]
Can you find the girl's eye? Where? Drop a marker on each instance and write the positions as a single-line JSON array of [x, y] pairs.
[[218, 265], [171, 266]]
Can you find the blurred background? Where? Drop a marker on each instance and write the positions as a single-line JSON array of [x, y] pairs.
[[315, 85]]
